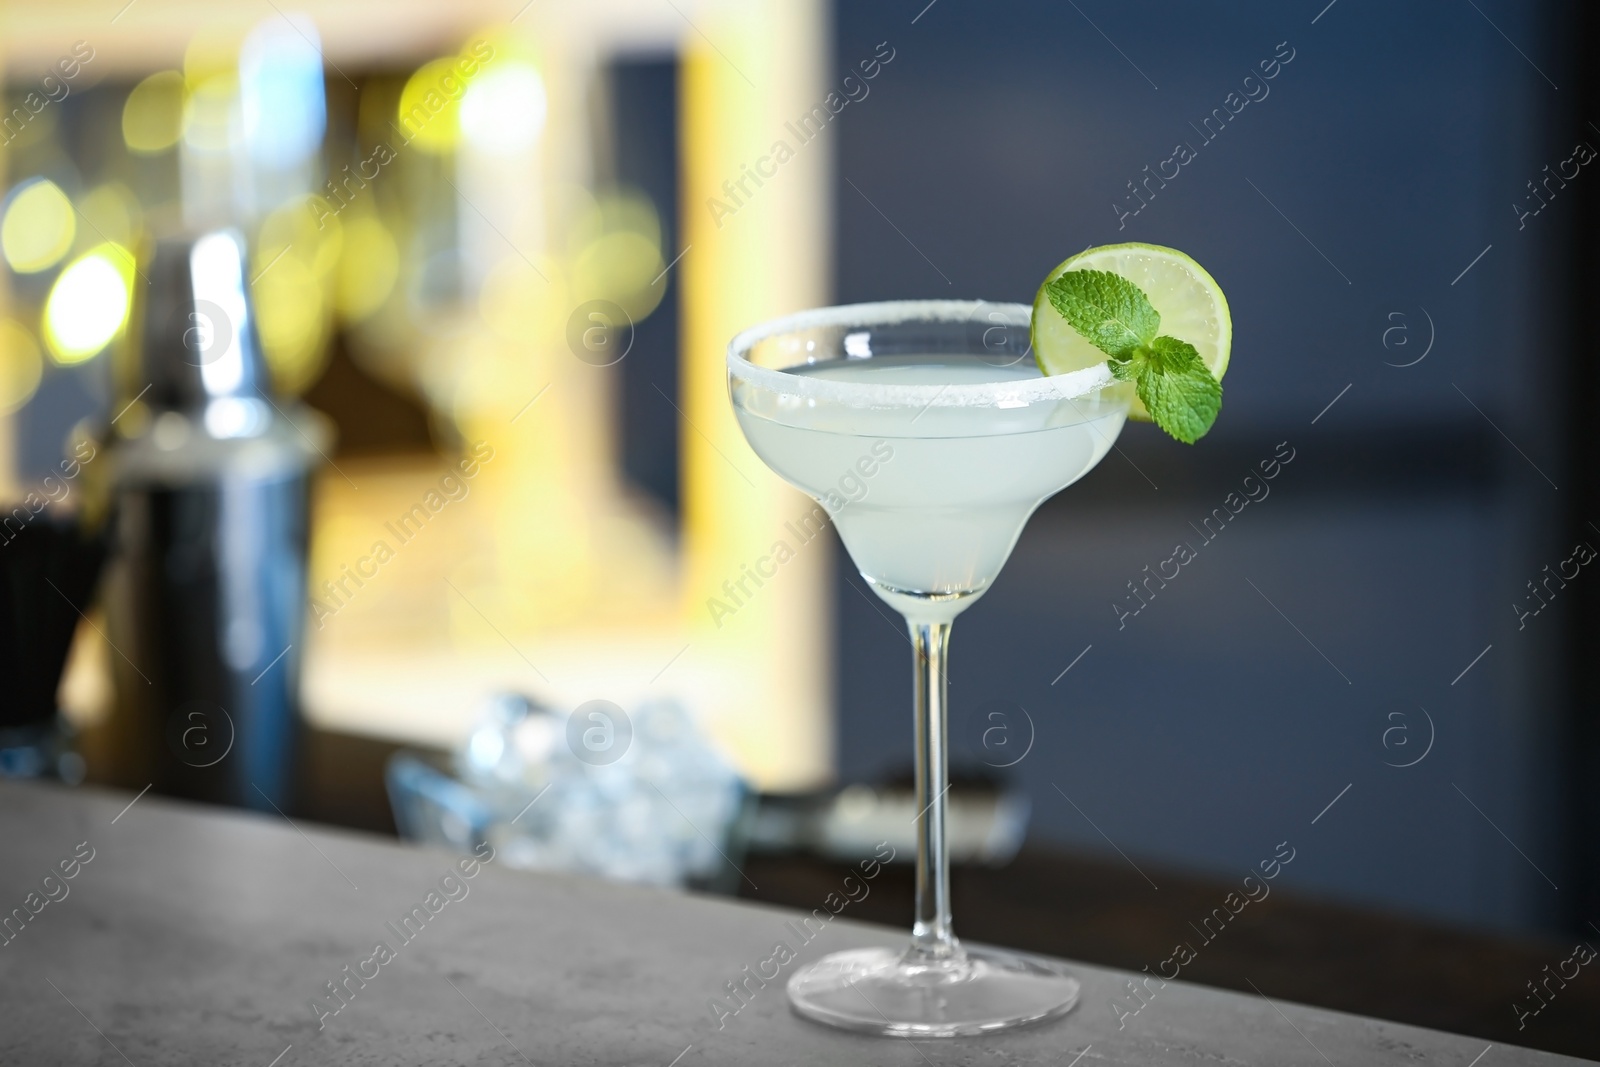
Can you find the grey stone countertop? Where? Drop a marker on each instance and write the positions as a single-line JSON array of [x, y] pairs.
[[197, 935]]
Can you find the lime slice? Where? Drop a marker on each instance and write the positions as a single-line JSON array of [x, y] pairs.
[[1190, 303]]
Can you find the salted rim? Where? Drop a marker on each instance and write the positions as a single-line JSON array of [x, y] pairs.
[[1067, 386]]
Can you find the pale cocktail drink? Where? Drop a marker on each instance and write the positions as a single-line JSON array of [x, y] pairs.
[[935, 495], [929, 434]]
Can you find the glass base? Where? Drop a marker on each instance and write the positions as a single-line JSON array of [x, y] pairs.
[[889, 992]]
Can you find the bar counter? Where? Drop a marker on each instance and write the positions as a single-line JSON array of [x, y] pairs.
[[160, 932]]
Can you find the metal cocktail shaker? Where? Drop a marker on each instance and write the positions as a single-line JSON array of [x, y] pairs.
[[205, 593]]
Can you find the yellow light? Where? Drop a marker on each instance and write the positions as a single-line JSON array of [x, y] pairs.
[[612, 210], [304, 229], [112, 213], [291, 319], [614, 240], [88, 304], [297, 250], [430, 106], [20, 366], [38, 228], [208, 113], [152, 116], [503, 111], [620, 267], [211, 51], [367, 270]]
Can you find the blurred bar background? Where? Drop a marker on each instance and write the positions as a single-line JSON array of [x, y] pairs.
[[425, 239], [518, 238]]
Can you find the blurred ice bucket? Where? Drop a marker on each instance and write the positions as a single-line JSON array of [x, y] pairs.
[[205, 595], [645, 798]]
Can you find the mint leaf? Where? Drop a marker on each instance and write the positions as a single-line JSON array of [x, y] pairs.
[[1177, 389], [1111, 312], [1114, 315], [1127, 370]]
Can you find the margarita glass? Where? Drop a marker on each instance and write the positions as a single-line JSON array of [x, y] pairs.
[[936, 417]]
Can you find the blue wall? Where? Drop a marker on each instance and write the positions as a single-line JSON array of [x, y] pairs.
[[1391, 147]]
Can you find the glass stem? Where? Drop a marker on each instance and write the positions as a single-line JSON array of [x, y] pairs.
[[931, 936]]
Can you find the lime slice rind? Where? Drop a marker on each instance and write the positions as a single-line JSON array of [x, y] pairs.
[[1191, 305]]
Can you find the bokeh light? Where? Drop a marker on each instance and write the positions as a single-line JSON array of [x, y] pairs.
[[294, 227], [112, 213], [291, 314], [20, 366], [152, 116], [212, 51], [38, 227], [211, 77], [430, 106], [296, 264], [608, 211], [620, 266], [368, 268], [208, 126], [615, 249], [88, 304], [504, 109], [280, 90]]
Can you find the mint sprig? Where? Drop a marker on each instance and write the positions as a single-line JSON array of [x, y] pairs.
[[1115, 316]]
